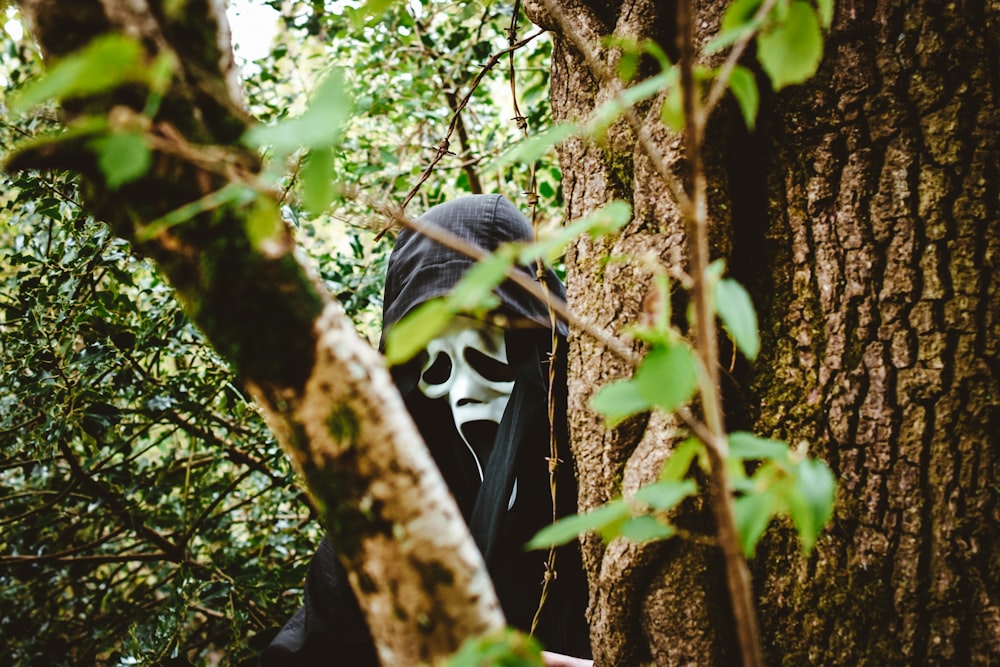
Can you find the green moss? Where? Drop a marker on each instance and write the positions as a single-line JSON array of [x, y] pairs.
[[258, 311], [621, 170], [337, 492], [342, 424]]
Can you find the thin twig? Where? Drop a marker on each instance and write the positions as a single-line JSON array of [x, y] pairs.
[[97, 559], [117, 506], [52, 502], [20, 426], [475, 186], [737, 575]]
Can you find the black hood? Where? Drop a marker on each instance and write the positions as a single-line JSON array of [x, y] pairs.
[[421, 269]]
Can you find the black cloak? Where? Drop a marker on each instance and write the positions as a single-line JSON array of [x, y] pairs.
[[329, 628]]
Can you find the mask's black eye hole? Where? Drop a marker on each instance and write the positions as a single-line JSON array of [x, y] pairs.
[[439, 371], [492, 369]]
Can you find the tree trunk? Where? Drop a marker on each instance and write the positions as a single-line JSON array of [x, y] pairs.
[[862, 214], [882, 238], [411, 561]]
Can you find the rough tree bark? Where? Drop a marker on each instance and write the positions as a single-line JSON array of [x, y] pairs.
[[863, 216], [411, 561]]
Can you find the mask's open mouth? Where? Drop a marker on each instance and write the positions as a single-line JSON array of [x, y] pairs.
[[479, 436]]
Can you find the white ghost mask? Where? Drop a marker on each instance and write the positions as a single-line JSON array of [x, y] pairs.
[[467, 363]]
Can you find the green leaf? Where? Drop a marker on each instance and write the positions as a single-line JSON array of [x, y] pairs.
[[727, 38], [608, 112], [411, 334], [739, 14], [791, 51], [715, 270], [506, 648], [103, 64], [667, 376], [736, 23], [628, 65], [744, 445], [604, 221], [608, 219], [318, 188], [531, 150], [604, 519], [753, 513], [320, 125], [371, 9], [228, 194], [825, 12], [652, 48], [122, 157], [738, 315], [474, 292], [263, 221], [810, 503], [645, 528], [672, 111], [161, 73], [631, 50], [679, 462], [780, 12], [661, 305], [665, 495], [744, 87], [647, 88], [619, 400]]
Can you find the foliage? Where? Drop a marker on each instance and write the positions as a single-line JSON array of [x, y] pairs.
[[143, 497], [149, 516], [407, 71], [507, 648]]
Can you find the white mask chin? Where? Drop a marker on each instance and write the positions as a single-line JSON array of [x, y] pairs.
[[468, 364]]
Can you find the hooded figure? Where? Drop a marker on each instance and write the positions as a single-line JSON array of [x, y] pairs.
[[493, 453]]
